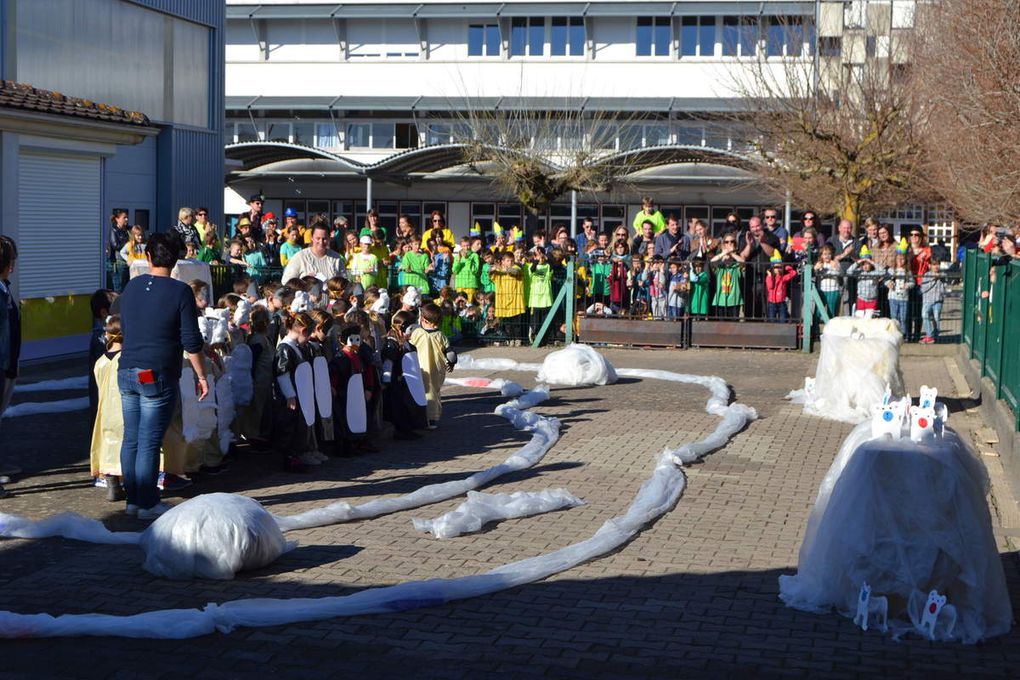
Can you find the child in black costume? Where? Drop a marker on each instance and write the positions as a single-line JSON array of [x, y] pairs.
[[399, 407]]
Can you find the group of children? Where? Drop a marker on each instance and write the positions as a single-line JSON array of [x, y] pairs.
[[306, 368]]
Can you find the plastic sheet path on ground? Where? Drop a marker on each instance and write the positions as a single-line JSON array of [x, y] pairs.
[[660, 492]]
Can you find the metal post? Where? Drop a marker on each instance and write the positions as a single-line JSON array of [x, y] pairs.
[[787, 215], [573, 213], [571, 287], [807, 312], [368, 193]]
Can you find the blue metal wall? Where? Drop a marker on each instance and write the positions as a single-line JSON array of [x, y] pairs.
[[191, 159]]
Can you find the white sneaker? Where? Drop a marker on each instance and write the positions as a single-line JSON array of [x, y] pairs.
[[322, 456], [309, 458], [153, 512], [131, 509], [4, 479]]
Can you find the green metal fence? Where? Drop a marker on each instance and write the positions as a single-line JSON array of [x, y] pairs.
[[991, 323]]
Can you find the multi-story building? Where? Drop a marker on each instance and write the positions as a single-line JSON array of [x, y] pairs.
[[104, 105], [335, 108]]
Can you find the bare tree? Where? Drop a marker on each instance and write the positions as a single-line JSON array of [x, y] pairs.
[[840, 136], [538, 156], [967, 71]]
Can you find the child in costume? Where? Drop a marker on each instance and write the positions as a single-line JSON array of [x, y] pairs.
[[933, 294], [294, 436], [400, 405], [676, 291], [416, 266], [108, 430], [655, 276], [777, 282], [320, 344], [348, 366], [509, 280], [364, 267], [869, 275], [618, 275], [441, 266], [371, 362], [252, 421], [698, 282], [539, 274], [434, 357], [899, 284], [467, 267], [484, 278]]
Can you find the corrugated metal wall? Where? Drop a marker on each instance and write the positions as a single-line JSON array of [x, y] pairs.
[[190, 159]]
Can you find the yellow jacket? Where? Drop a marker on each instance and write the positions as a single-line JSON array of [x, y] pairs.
[[509, 291]]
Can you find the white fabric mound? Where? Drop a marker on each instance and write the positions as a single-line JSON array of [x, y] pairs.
[[35, 408], [906, 518], [212, 536], [481, 508], [79, 382], [576, 365], [858, 364]]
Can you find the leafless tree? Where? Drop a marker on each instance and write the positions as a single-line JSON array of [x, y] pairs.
[[967, 72], [839, 135]]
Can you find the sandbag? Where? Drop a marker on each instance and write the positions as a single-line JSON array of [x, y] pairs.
[[576, 365], [212, 536]]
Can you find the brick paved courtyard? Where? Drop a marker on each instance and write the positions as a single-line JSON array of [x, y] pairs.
[[694, 594]]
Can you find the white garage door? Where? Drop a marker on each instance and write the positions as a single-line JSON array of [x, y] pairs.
[[59, 224]]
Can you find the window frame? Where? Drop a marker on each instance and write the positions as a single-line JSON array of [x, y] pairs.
[[655, 25], [484, 45], [533, 27]]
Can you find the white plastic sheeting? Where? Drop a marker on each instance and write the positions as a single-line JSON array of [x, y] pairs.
[[858, 364], [507, 388], [35, 408], [212, 536], [576, 365], [481, 508], [545, 433], [66, 525], [656, 496], [906, 517], [224, 412], [79, 382]]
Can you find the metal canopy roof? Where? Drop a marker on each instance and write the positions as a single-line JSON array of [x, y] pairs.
[[453, 10], [670, 154], [256, 154]]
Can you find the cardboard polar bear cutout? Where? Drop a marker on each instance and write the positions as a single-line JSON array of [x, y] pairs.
[[858, 365]]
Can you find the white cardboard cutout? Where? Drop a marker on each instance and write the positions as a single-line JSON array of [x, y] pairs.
[[323, 389], [412, 377], [357, 416], [304, 385]]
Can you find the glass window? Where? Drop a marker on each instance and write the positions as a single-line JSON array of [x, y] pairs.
[[603, 136], [407, 136], [612, 217], [483, 40], [653, 36], [344, 209], [794, 37], [689, 134], [278, 132], [358, 135], [775, 37], [246, 132], [483, 214], [697, 37], [527, 37], [855, 13], [830, 46], [566, 36], [326, 136], [382, 135], [302, 133], [509, 215], [437, 133], [630, 137], [748, 36], [730, 36], [656, 134]]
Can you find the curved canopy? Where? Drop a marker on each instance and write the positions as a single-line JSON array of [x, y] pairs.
[[256, 154], [670, 154]]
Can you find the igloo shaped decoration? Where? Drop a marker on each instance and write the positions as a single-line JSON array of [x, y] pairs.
[[858, 366]]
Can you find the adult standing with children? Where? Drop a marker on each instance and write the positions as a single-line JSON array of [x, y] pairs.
[[10, 338], [159, 322], [319, 260]]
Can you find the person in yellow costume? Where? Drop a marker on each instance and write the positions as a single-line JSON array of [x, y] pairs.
[[434, 357], [108, 430], [439, 232], [509, 280]]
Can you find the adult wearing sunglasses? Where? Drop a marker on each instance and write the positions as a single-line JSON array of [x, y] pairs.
[[437, 230], [772, 223]]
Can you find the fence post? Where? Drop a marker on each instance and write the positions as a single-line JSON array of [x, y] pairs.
[[807, 313], [570, 286]]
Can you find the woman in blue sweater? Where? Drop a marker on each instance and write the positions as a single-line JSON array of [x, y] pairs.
[[159, 322]]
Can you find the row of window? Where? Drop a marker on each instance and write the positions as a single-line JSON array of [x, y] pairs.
[[700, 36], [607, 216], [408, 135]]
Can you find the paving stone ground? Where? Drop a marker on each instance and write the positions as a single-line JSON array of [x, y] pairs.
[[693, 594]]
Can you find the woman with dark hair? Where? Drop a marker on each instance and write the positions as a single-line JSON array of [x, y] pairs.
[[10, 339], [437, 230], [159, 321]]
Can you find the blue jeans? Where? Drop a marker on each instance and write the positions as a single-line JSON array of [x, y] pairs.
[[777, 311], [147, 412], [898, 311], [931, 315]]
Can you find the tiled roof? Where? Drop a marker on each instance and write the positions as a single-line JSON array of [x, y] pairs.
[[15, 95]]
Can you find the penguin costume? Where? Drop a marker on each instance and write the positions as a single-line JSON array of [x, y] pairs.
[[403, 390], [350, 419]]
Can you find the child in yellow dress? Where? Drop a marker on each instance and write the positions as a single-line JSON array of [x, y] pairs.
[[434, 357], [108, 430]]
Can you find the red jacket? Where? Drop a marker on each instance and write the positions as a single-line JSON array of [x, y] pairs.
[[618, 282], [776, 286]]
